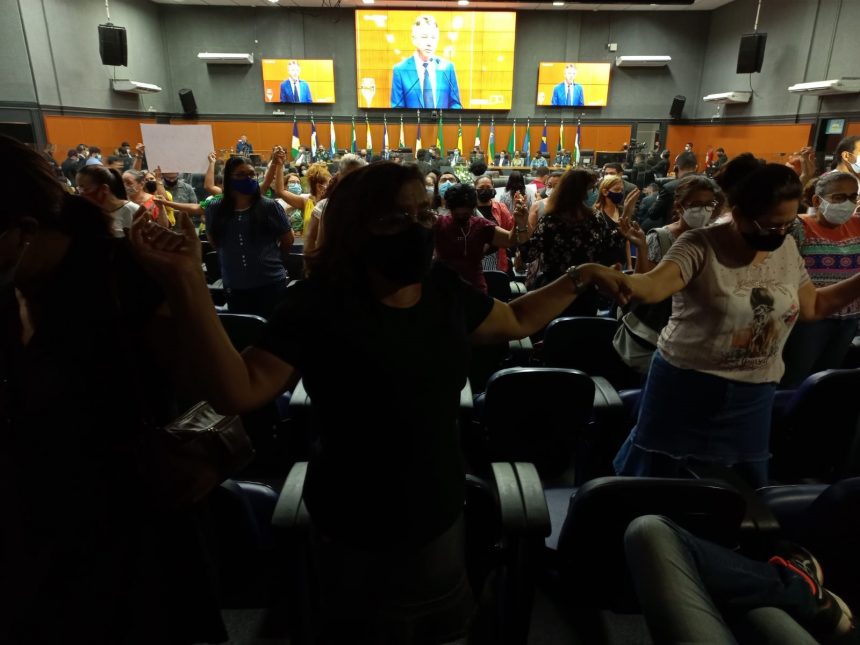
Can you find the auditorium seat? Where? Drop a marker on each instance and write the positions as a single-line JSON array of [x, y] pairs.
[[244, 330], [213, 267], [506, 522], [295, 265], [814, 435], [585, 343]]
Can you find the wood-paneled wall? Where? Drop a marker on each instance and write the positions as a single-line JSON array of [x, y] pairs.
[[772, 142]]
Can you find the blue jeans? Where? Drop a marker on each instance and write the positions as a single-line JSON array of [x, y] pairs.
[[693, 591], [688, 416]]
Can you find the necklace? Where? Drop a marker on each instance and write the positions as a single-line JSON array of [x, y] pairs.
[[466, 237]]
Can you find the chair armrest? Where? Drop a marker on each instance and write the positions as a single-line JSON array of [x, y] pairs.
[[466, 397], [300, 396], [521, 500], [290, 511], [605, 395], [517, 288]]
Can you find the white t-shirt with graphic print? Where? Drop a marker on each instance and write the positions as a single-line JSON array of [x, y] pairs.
[[731, 321]]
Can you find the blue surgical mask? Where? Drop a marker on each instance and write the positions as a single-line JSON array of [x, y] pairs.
[[855, 165], [444, 186], [246, 185], [295, 189]]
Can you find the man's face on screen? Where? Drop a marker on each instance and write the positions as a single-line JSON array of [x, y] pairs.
[[294, 71], [425, 38], [569, 74]]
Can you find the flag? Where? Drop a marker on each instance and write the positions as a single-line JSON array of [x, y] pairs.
[[527, 143], [576, 143], [560, 146], [512, 140], [384, 133], [492, 145], [543, 147], [294, 146], [333, 142], [418, 144], [440, 138], [314, 143], [369, 142], [478, 135], [402, 141], [352, 145], [460, 136]]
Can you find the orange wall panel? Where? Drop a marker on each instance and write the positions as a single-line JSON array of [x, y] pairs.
[[852, 129], [771, 142], [106, 133]]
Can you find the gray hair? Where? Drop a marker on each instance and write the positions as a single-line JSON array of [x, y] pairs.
[[350, 161], [824, 185], [425, 20]]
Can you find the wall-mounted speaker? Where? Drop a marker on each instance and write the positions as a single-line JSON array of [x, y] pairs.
[[112, 45], [677, 106], [189, 105], [751, 53]]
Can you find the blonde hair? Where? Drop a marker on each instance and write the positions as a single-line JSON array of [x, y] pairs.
[[317, 175], [606, 183]]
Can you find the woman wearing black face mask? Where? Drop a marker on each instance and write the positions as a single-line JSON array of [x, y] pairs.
[[613, 206], [496, 212], [140, 189], [738, 288], [252, 236], [373, 316]]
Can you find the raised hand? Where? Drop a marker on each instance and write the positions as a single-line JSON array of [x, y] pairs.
[[630, 204], [141, 149], [632, 232], [166, 254], [157, 174], [212, 157]]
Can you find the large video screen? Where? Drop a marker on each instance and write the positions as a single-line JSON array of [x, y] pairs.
[[446, 60], [573, 84], [290, 80]]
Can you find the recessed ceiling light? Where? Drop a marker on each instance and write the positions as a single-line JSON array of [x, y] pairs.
[[462, 3], [368, 1], [274, 1], [558, 3]]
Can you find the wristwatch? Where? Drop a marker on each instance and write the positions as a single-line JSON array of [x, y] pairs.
[[574, 273]]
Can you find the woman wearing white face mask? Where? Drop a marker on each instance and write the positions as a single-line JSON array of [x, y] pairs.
[[829, 240], [698, 202]]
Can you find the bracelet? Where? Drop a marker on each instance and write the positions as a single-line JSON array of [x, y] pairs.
[[574, 273]]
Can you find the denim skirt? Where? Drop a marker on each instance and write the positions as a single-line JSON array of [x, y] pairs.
[[689, 416]]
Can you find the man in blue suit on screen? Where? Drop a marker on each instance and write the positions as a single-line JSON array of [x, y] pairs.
[[568, 92], [294, 90], [424, 80]]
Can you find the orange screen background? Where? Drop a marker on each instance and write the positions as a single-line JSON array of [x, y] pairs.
[[479, 44], [318, 73], [594, 78]]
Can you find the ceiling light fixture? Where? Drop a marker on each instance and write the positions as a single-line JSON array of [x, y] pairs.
[[462, 3], [558, 3], [368, 1]]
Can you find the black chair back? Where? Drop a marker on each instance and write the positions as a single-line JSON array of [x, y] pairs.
[[537, 415], [816, 437], [498, 285], [213, 266], [591, 543], [244, 330], [295, 265], [585, 343]]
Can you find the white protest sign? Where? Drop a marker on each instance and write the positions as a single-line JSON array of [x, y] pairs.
[[177, 148]]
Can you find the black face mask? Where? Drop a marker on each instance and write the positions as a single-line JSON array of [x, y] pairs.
[[767, 242], [486, 194], [403, 258], [171, 183], [150, 186]]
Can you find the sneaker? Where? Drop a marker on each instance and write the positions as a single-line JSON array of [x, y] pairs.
[[834, 618]]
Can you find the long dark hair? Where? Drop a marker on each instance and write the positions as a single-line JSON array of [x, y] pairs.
[[109, 177], [360, 196], [569, 195], [515, 183], [40, 196], [224, 208]]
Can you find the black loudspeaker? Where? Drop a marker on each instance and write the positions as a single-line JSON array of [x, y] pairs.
[[189, 105], [112, 45], [677, 106], [751, 53]]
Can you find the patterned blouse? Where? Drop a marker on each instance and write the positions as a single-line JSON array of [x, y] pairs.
[[560, 242]]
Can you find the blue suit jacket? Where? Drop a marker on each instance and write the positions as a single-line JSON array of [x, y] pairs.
[[406, 87], [559, 96], [287, 92]]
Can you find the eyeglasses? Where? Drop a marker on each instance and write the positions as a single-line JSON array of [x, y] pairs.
[[841, 198], [779, 229], [401, 219], [711, 204]]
